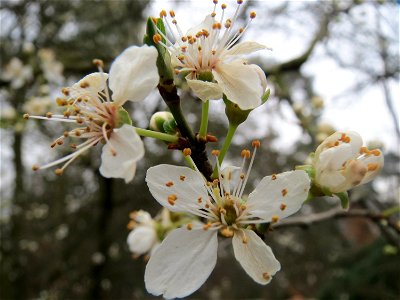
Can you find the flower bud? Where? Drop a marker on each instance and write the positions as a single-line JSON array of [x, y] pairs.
[[163, 121]]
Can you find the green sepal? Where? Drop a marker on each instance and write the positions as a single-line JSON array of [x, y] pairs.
[[170, 127], [206, 76], [344, 199], [123, 117], [266, 95], [164, 59], [309, 169], [235, 115]]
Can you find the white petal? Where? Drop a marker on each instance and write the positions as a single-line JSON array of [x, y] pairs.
[[141, 239], [205, 90], [133, 74], [186, 184], [372, 159], [89, 85], [355, 142], [129, 149], [240, 83], [206, 24], [279, 196], [229, 174], [182, 263], [255, 256], [245, 48]]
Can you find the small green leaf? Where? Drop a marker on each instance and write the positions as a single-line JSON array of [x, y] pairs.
[[266, 95], [123, 117], [344, 199]]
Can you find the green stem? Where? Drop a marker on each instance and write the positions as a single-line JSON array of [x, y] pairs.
[[180, 119], [390, 211], [204, 119], [157, 135], [189, 162], [225, 147]]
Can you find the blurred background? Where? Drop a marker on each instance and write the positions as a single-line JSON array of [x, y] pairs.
[[335, 66]]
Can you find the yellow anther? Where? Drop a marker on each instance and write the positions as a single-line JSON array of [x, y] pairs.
[[336, 143], [273, 177], [256, 144], [266, 276], [98, 63], [282, 206], [49, 115], [217, 26], [376, 152], [189, 226], [199, 200], [244, 239], [253, 15], [65, 91], [61, 102], [213, 14], [207, 226], [205, 32], [157, 38], [182, 178], [223, 6], [163, 13], [172, 198], [59, 142], [84, 84], [284, 192], [245, 153], [79, 120], [172, 13], [241, 30], [239, 2], [227, 232], [222, 210], [181, 57], [131, 225], [26, 116], [372, 166], [227, 24], [187, 152], [215, 152], [35, 167], [215, 1], [58, 172], [73, 146], [184, 39], [242, 176], [66, 134], [169, 184], [174, 22], [274, 219]]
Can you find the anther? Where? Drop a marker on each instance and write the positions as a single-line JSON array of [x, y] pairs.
[[84, 84], [67, 113], [199, 200], [66, 134], [282, 206], [49, 115], [253, 15], [35, 167], [182, 178], [215, 152], [211, 138], [174, 22], [223, 6], [239, 2], [169, 184], [256, 144], [372, 167], [187, 152], [244, 239], [189, 226], [284, 192], [215, 1], [58, 172], [245, 153], [184, 39], [61, 102], [163, 13], [98, 63], [73, 146], [172, 198], [65, 91], [213, 14], [26, 116], [157, 38], [60, 142], [266, 276], [273, 177], [172, 13], [274, 219], [376, 152]]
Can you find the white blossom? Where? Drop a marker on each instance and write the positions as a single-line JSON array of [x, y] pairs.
[[17, 73], [341, 162], [188, 255], [100, 117], [213, 59]]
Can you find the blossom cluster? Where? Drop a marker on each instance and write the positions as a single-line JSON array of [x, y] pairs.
[[211, 203]]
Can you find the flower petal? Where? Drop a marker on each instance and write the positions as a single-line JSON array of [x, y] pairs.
[[181, 183], [90, 85], [141, 239], [372, 160], [245, 48], [182, 263], [355, 142], [206, 24], [205, 90], [229, 174], [240, 83], [133, 74], [129, 149], [255, 256], [279, 195]]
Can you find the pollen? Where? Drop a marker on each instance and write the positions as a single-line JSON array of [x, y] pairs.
[[182, 178], [61, 102], [372, 167], [189, 226], [156, 38], [172, 13], [35, 167], [215, 1], [253, 15], [256, 144], [274, 219], [284, 192], [266, 276], [187, 152], [376, 152], [245, 153], [273, 177], [163, 13], [172, 198], [223, 6], [58, 172], [207, 226], [49, 115], [282, 206], [98, 63], [169, 184], [199, 200], [239, 2], [227, 232], [84, 84], [26, 116], [65, 91], [244, 239]]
